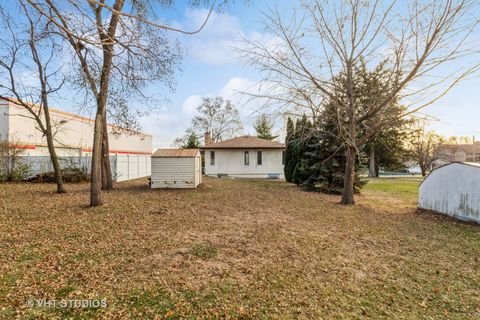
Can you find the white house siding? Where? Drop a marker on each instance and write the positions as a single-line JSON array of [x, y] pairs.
[[453, 189], [231, 163], [175, 172]]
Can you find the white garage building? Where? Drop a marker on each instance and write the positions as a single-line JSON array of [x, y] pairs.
[[130, 151], [176, 168], [453, 189]]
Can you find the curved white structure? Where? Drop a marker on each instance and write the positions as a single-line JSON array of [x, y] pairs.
[[453, 189]]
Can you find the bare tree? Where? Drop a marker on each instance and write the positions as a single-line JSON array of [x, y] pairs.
[[423, 146], [118, 47], [319, 47], [217, 116], [31, 48]]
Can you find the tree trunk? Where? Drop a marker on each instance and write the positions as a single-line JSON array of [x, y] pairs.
[[100, 119], [51, 148], [56, 165], [107, 181], [349, 178], [96, 174], [424, 170], [371, 164]]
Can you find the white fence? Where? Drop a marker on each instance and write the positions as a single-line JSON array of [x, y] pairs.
[[131, 166], [123, 167]]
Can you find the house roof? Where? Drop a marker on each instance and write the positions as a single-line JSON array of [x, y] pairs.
[[245, 142], [467, 148], [175, 153]]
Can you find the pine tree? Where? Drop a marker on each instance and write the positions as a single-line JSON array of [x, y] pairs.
[[326, 156], [263, 127], [303, 133], [289, 154], [191, 142]]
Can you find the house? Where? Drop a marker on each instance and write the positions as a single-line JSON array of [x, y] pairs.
[[176, 168], [458, 152], [130, 151], [244, 157], [453, 189]]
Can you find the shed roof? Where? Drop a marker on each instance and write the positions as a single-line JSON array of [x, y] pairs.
[[176, 153], [245, 142], [472, 164]]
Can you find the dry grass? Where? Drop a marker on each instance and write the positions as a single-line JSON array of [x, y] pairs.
[[233, 249]]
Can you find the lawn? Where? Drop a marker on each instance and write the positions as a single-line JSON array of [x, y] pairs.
[[235, 249], [400, 186]]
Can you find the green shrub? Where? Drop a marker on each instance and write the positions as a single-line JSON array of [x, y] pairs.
[[19, 171]]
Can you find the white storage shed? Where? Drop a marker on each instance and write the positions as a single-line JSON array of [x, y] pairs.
[[176, 168], [453, 189]]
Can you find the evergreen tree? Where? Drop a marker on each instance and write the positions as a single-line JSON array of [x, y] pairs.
[[303, 134], [387, 150], [325, 156], [191, 142], [289, 154], [263, 127]]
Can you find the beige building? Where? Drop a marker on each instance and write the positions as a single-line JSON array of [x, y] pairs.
[[74, 133], [130, 151], [458, 153], [245, 157]]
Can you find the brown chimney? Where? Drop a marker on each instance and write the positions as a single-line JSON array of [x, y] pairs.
[[208, 139]]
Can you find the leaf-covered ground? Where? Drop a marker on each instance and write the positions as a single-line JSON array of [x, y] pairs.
[[235, 249]]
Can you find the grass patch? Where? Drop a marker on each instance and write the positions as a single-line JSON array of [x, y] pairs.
[[397, 186], [151, 304], [64, 291], [204, 251], [28, 257]]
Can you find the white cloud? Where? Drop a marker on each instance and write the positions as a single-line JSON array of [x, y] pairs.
[[216, 42], [213, 44], [164, 127], [190, 105]]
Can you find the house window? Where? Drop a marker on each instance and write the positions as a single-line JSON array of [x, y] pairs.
[[283, 157], [259, 158], [212, 158], [246, 158], [477, 157], [470, 157]]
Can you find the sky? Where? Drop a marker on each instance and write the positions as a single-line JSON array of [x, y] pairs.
[[212, 68]]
